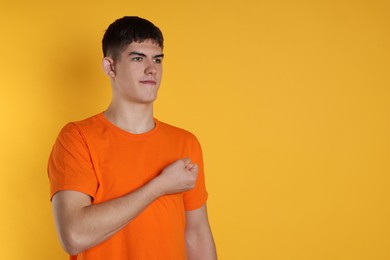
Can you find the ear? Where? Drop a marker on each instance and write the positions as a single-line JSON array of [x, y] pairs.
[[108, 66]]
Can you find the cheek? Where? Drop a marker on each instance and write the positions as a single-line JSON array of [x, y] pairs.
[[129, 74]]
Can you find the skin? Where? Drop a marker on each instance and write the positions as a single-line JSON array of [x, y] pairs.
[[135, 78]]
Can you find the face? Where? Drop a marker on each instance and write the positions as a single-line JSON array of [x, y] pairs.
[[137, 73]]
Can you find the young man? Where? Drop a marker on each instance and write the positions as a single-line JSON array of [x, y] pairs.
[[123, 184]]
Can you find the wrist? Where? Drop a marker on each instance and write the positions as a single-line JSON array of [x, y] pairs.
[[154, 188]]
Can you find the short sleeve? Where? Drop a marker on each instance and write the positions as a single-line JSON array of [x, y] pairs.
[[195, 198], [70, 166]]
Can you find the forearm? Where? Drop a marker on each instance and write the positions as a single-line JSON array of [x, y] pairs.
[[200, 245], [199, 239], [85, 227]]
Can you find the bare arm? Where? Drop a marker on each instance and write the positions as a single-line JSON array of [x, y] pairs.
[[199, 239], [81, 225]]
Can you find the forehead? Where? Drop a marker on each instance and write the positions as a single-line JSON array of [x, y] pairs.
[[147, 47]]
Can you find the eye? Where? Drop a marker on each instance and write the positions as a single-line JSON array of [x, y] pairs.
[[137, 59], [157, 60]]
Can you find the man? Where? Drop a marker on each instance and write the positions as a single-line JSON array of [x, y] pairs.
[[123, 184]]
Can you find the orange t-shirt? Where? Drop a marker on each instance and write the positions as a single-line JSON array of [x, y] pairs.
[[97, 158]]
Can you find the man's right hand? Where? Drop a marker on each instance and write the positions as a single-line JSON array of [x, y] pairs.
[[177, 177]]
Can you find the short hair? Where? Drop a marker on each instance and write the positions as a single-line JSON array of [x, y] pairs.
[[126, 30]]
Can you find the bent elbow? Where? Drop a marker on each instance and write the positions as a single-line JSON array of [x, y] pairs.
[[72, 249], [72, 243]]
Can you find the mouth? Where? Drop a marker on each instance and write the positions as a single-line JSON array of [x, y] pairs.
[[148, 82]]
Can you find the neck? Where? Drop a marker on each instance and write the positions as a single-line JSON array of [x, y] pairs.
[[134, 118]]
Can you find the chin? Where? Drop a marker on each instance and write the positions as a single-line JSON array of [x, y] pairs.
[[148, 100]]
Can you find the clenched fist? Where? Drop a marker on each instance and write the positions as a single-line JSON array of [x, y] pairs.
[[177, 177]]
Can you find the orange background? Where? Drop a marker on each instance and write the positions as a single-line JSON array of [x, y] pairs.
[[290, 100]]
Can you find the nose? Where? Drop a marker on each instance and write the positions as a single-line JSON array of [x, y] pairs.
[[151, 68]]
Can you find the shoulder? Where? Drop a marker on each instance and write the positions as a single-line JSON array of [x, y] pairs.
[[180, 137], [176, 132], [90, 123], [80, 131], [84, 126]]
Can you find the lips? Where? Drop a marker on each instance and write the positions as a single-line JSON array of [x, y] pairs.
[[149, 82]]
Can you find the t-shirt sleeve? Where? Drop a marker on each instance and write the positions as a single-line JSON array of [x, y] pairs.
[[70, 166], [195, 198]]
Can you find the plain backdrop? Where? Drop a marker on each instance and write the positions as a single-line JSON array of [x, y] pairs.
[[290, 100]]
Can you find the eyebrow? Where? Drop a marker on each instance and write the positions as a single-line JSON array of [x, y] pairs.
[[143, 55]]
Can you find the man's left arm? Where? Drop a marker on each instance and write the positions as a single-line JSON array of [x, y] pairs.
[[199, 239]]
